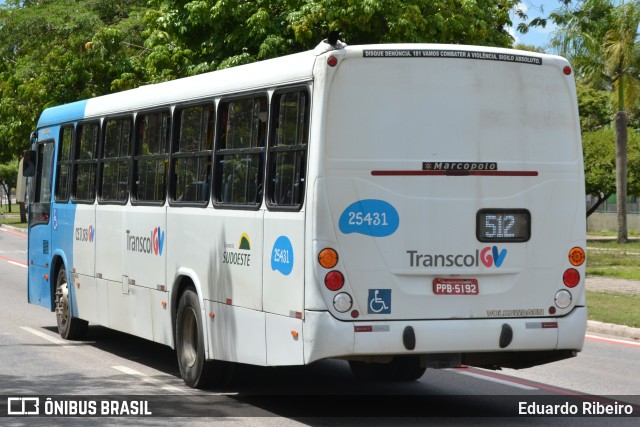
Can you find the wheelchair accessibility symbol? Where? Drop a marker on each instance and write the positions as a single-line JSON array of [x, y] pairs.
[[379, 301]]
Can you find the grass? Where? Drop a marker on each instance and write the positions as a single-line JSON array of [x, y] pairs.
[[13, 221], [613, 260], [13, 218], [612, 307]]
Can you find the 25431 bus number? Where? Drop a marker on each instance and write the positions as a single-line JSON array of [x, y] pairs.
[[370, 218]]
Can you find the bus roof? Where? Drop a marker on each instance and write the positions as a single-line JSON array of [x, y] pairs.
[[290, 69]]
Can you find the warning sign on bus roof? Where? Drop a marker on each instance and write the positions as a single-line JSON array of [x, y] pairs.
[[439, 53]]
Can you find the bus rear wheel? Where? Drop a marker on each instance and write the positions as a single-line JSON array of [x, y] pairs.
[[195, 370], [401, 368], [69, 327]]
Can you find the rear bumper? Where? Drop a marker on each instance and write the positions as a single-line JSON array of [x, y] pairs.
[[327, 337]]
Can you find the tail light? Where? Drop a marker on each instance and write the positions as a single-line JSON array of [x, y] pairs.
[[571, 278], [334, 280]]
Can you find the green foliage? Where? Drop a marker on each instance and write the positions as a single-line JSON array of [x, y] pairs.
[[600, 164], [600, 39], [58, 51], [8, 177], [9, 174], [596, 108], [189, 37], [529, 48]]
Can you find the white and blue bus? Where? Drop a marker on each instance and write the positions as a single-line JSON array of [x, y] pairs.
[[398, 206]]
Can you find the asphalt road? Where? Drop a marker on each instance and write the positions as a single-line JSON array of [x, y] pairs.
[[109, 366]]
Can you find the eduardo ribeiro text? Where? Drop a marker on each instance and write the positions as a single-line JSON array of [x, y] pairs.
[[587, 408]]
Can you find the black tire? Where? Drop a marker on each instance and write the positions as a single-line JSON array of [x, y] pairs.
[[69, 327], [195, 370], [401, 368]]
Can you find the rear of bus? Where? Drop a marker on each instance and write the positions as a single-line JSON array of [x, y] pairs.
[[450, 203]]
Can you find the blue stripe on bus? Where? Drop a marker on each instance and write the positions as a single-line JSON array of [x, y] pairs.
[[62, 114]]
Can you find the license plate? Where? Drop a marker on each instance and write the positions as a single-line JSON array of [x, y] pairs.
[[455, 286]]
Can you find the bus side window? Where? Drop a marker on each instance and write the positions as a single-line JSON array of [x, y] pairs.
[[288, 150], [193, 146], [240, 149], [85, 166], [151, 157], [114, 186], [64, 164]]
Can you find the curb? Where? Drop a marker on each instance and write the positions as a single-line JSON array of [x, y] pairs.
[[611, 329], [14, 229]]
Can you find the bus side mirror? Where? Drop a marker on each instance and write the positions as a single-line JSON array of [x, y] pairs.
[[29, 163]]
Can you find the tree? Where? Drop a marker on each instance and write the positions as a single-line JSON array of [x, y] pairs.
[[530, 48], [191, 37], [58, 51], [8, 178], [596, 108], [600, 163], [600, 38]]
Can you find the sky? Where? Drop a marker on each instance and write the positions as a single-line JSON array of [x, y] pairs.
[[538, 37]]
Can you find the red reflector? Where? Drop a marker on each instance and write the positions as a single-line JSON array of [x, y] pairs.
[[332, 61], [549, 325], [334, 280], [363, 328], [571, 278], [567, 70]]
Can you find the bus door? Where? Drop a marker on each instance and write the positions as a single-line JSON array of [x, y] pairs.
[[145, 237], [40, 223], [239, 166], [284, 224]]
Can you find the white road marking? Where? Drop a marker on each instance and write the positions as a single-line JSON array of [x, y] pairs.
[[147, 379], [49, 338], [169, 388], [12, 261], [19, 264]]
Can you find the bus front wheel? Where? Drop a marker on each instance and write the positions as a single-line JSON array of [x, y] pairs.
[[195, 370], [69, 327]]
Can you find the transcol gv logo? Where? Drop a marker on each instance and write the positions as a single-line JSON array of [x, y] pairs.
[[489, 256], [85, 234], [152, 244]]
